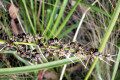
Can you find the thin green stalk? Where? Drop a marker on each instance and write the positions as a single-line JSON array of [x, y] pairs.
[[26, 24], [92, 67], [67, 18], [59, 17], [25, 18], [32, 44], [49, 12], [43, 8], [106, 36], [110, 27], [35, 15], [31, 2], [98, 70], [29, 17], [24, 69], [51, 18], [116, 65]]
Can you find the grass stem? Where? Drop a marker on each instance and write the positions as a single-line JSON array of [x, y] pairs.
[[106, 36]]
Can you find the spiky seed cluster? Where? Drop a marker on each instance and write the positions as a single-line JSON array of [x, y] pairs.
[[50, 48]]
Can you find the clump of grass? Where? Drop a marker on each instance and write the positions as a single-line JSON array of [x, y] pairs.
[[52, 19]]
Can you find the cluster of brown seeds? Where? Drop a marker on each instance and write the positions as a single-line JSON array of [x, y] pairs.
[[50, 48]]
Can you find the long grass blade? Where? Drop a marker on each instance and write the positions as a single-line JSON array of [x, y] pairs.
[[66, 19], [59, 17], [116, 65], [106, 36], [43, 12], [51, 18], [24, 69], [29, 17]]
